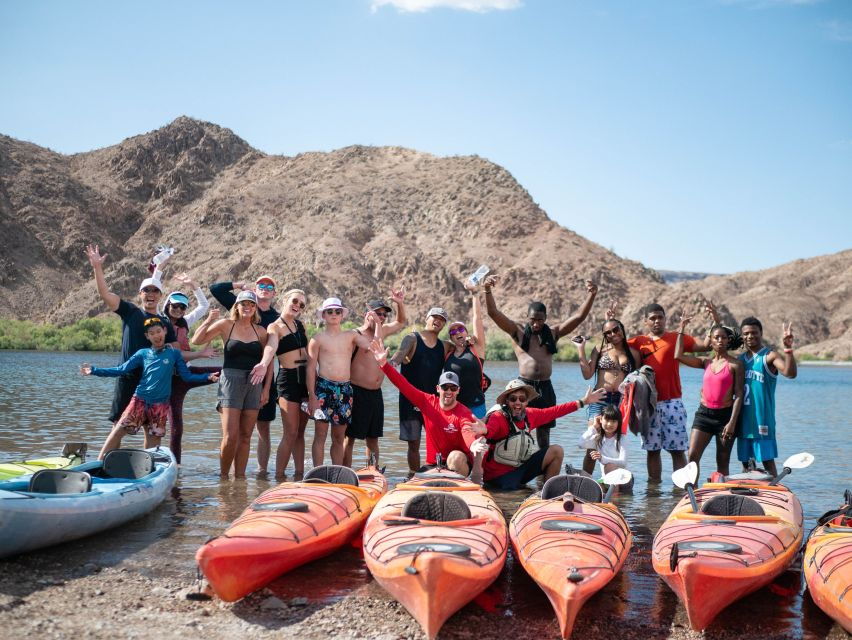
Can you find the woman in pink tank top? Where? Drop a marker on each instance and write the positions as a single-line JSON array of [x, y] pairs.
[[721, 394]]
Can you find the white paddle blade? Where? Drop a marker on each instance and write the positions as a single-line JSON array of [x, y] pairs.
[[685, 475], [617, 477], [799, 460]]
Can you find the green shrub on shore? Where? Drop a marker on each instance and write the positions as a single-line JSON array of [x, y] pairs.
[[104, 334], [88, 334]]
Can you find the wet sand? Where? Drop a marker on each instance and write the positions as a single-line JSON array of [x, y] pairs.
[[142, 584]]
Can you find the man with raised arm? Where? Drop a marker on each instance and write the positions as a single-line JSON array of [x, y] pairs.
[[756, 431], [657, 348], [444, 417], [421, 360], [264, 290], [368, 406], [328, 378], [133, 335], [534, 343]]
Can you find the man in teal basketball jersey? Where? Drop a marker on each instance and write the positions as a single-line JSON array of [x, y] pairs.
[[756, 432]]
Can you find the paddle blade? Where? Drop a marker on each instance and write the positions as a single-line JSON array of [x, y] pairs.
[[685, 475], [617, 477], [799, 460]]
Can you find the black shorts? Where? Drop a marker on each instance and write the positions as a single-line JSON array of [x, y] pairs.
[[267, 411], [368, 414], [546, 398], [517, 478], [711, 421], [125, 387], [292, 383]]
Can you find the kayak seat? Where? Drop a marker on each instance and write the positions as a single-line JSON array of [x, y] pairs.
[[332, 474], [440, 483], [438, 506], [130, 464], [581, 487], [72, 449], [60, 481], [732, 505]]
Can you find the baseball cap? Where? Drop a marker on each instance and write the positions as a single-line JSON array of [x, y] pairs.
[[438, 311], [177, 297], [246, 295], [151, 282], [266, 277], [448, 377], [375, 305]]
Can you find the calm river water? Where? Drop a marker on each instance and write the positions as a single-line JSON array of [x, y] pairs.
[[45, 402]]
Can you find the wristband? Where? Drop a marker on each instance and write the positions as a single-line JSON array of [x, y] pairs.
[[788, 350], [581, 404]]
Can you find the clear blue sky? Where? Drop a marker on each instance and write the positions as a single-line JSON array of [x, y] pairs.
[[707, 135]]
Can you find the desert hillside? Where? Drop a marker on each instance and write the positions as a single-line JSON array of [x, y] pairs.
[[352, 223]]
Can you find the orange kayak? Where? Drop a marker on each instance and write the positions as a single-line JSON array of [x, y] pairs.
[[745, 534], [288, 526], [435, 543], [571, 549], [828, 566]]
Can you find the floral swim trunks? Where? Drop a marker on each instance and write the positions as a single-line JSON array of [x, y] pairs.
[[140, 414], [335, 400], [668, 429]]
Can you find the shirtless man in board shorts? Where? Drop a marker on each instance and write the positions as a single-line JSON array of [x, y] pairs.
[[368, 406], [328, 375], [657, 348], [534, 344]]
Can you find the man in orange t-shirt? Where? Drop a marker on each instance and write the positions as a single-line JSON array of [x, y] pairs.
[[657, 348]]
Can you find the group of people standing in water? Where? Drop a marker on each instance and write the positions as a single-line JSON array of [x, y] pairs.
[[335, 379]]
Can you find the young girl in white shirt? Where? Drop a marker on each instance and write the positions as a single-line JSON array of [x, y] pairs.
[[604, 442]]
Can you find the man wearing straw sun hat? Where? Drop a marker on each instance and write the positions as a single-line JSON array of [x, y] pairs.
[[511, 467]]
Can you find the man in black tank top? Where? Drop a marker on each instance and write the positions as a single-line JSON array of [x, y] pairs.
[[421, 356]]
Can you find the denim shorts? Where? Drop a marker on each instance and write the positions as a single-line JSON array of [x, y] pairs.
[[596, 408]]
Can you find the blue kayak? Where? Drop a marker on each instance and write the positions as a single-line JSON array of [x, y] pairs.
[[57, 505]]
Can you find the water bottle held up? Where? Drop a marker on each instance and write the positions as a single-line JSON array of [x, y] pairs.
[[479, 275]]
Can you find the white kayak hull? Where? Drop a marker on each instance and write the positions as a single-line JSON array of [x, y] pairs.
[[34, 520]]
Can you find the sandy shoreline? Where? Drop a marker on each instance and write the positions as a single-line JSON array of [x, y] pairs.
[[52, 595]]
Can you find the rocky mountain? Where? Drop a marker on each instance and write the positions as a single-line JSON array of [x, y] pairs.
[[670, 277], [352, 222]]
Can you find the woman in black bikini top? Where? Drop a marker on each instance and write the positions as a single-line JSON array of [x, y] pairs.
[[288, 337], [612, 361]]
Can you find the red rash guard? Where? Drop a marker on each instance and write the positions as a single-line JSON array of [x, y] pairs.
[[443, 428], [498, 428]]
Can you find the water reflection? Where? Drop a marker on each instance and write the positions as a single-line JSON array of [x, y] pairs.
[[45, 402]]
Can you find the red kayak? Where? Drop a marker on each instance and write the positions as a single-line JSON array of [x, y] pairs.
[[288, 526], [736, 537]]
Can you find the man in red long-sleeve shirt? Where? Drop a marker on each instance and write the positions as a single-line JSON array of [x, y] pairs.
[[513, 401], [443, 416]]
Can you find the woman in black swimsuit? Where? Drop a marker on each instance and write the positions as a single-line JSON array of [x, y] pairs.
[[464, 355], [239, 398], [288, 338]]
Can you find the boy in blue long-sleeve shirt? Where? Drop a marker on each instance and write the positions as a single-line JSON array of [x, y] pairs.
[[149, 406]]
